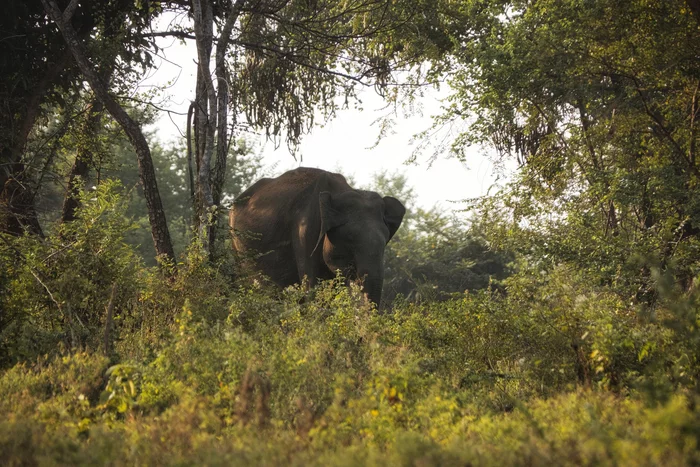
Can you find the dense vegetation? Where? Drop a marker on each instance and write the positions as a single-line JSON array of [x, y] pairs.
[[555, 322], [549, 367]]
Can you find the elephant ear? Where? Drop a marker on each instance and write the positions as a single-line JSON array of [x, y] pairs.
[[393, 214], [330, 216]]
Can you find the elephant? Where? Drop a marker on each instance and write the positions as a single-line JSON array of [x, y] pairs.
[[309, 223]]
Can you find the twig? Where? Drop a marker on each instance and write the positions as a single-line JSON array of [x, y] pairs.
[[109, 320], [47, 290], [151, 104]]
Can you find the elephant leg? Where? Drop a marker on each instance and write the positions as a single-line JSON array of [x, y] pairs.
[[279, 265]]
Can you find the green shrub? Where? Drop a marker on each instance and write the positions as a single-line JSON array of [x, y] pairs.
[[56, 290]]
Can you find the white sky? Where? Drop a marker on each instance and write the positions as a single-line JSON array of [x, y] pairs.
[[343, 144]]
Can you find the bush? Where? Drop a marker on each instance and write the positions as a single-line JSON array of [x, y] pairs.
[[56, 290], [549, 367], [326, 380]]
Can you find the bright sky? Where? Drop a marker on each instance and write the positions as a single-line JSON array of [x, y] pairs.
[[343, 144]]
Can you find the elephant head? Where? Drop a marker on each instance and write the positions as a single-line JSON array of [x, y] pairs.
[[356, 225]]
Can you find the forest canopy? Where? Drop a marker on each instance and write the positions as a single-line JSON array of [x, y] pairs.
[[554, 320]]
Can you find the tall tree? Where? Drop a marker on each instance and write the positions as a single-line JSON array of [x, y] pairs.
[[111, 28], [171, 165], [159, 226], [211, 105]]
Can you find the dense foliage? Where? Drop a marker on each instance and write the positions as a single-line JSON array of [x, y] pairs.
[[195, 369], [598, 102]]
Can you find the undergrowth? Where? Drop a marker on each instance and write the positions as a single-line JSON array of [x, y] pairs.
[[199, 370]]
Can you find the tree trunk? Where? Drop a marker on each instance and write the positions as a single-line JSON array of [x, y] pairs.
[[223, 85], [222, 136], [81, 167], [76, 180], [91, 127], [156, 216], [205, 121], [17, 211]]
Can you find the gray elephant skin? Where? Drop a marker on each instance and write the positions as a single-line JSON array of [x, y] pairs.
[[310, 223]]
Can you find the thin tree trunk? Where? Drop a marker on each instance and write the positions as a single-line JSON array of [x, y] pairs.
[[159, 226], [109, 321], [190, 166], [222, 137], [222, 79], [612, 219], [81, 167], [17, 210], [76, 180], [206, 99]]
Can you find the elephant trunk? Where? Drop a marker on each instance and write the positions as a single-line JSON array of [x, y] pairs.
[[373, 281]]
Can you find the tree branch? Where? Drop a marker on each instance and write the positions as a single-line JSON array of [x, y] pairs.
[[293, 58], [69, 11], [151, 104], [660, 124], [177, 34]]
